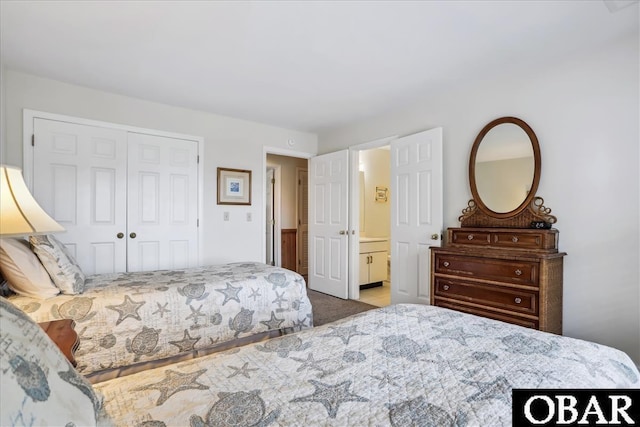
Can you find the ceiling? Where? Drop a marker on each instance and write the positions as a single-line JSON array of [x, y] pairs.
[[304, 65]]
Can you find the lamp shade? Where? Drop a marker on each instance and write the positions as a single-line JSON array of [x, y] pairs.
[[20, 214]]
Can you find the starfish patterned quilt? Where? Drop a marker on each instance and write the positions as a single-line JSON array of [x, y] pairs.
[[398, 365], [126, 318]]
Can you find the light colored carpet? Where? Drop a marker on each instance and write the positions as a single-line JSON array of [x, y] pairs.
[[327, 308]]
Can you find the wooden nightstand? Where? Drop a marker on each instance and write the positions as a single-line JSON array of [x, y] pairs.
[[64, 336]]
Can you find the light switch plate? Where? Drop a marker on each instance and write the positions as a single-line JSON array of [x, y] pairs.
[[249, 217], [226, 216]]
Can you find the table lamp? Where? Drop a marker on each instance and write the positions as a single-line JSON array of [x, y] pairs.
[[20, 214]]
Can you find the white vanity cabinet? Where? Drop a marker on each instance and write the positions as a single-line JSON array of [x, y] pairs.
[[373, 260]]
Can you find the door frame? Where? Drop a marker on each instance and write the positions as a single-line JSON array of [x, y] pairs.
[[298, 202], [354, 210], [28, 117], [270, 201], [280, 152], [277, 214]]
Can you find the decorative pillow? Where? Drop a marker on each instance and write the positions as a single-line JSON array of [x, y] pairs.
[[39, 386], [24, 272], [62, 267]]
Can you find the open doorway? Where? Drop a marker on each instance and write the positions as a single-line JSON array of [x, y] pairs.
[[414, 197], [375, 226], [286, 213]]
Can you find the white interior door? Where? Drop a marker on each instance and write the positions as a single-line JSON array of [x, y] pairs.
[[80, 179], [162, 219], [328, 223], [416, 213]]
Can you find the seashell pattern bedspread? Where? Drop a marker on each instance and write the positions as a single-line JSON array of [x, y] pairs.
[[125, 318], [398, 365]]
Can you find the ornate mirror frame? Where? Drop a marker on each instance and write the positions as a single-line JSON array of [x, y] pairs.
[[529, 212]]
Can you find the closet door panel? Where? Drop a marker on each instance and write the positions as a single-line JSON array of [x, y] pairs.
[[79, 178], [162, 203], [147, 255], [63, 181], [148, 202]]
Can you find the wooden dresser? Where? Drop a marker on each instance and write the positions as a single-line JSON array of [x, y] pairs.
[[503, 261], [508, 274]]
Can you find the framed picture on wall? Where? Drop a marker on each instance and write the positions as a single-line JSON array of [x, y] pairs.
[[234, 186], [382, 194]]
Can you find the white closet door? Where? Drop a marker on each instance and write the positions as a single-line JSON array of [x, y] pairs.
[[162, 203], [79, 178]]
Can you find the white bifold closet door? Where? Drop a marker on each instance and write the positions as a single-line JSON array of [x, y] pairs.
[[128, 201], [162, 203]]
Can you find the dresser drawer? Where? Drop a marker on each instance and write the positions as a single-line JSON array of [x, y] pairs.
[[515, 240], [473, 238], [508, 271], [488, 295], [521, 321], [501, 238]]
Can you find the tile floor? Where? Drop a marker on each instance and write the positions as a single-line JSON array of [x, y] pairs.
[[380, 296]]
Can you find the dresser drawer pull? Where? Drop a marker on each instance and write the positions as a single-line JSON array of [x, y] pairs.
[[518, 300], [446, 263], [514, 239], [518, 272], [445, 287], [470, 237]]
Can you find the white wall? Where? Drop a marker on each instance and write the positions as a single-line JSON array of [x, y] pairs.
[[229, 142], [585, 112], [3, 128], [376, 165]]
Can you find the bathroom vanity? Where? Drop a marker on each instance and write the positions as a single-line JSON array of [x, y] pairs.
[[373, 261]]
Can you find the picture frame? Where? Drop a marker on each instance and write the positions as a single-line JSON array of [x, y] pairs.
[[382, 194], [234, 186]]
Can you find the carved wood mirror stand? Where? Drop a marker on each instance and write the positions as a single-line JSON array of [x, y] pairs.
[[504, 173]]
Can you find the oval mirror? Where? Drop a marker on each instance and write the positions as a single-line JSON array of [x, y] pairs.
[[504, 168]]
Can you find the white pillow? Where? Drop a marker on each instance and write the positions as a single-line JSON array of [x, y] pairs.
[[24, 272], [61, 265], [39, 386]]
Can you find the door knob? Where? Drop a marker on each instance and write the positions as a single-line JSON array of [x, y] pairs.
[[343, 232], [120, 235], [133, 235], [434, 236]]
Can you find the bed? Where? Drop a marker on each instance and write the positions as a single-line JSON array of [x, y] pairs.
[[398, 365], [125, 320]]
